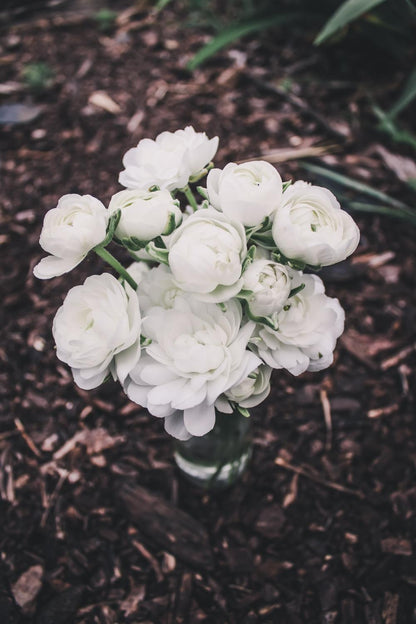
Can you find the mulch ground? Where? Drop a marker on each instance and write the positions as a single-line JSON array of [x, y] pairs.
[[96, 525]]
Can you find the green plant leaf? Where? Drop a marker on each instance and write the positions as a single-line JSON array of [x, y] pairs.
[[230, 34], [161, 4], [296, 290], [407, 96], [389, 125], [384, 210], [355, 185], [346, 13]]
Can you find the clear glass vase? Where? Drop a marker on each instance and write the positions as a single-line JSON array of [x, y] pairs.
[[217, 459]]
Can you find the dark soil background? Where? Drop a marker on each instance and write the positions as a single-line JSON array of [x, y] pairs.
[[96, 525]]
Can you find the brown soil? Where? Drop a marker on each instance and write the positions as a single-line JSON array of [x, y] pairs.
[[321, 528]]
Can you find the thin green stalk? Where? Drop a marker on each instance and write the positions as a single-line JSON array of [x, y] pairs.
[[190, 197], [109, 258]]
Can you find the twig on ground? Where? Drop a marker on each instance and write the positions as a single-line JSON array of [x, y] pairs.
[[404, 372], [399, 357], [26, 437], [383, 411], [52, 498], [326, 407], [279, 461], [289, 153], [147, 555]]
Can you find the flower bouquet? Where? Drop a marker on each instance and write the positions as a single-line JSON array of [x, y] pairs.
[[220, 290]]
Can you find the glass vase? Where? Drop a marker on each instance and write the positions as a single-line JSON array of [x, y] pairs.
[[217, 459]]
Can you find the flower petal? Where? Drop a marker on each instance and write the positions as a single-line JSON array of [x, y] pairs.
[[174, 425], [199, 419], [51, 266]]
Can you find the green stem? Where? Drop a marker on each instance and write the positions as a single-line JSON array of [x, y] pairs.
[[138, 259], [109, 258], [190, 197]]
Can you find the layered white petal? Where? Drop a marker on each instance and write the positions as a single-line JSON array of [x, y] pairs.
[[69, 232], [169, 161], [246, 193], [198, 351], [310, 226], [97, 330], [206, 254], [308, 328]]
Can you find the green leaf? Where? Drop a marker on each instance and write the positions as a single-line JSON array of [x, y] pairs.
[[133, 243], [157, 253], [203, 192], [412, 183], [407, 96], [410, 217], [263, 320], [144, 341], [249, 257], [355, 185], [286, 185], [397, 134], [230, 34], [113, 222], [111, 228], [161, 4], [264, 240], [296, 290], [171, 224], [245, 294], [242, 410], [346, 13], [201, 174]]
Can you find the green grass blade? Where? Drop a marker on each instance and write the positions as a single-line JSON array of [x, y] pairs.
[[383, 210], [228, 35], [346, 13], [161, 4], [407, 96], [389, 125], [355, 185]]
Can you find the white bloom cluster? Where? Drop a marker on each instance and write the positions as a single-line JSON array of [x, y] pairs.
[[220, 292]]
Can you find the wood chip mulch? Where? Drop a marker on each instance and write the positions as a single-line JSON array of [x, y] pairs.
[[96, 525]]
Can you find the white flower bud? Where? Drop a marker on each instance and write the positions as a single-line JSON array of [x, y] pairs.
[[144, 215], [70, 231], [311, 227], [270, 285], [205, 255], [246, 193]]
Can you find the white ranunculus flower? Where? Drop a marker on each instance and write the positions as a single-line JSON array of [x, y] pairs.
[[169, 161], [158, 288], [144, 215], [270, 284], [250, 392], [205, 255], [199, 150], [69, 232], [308, 327], [197, 352], [247, 193], [138, 270], [97, 330], [311, 227]]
